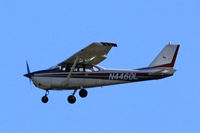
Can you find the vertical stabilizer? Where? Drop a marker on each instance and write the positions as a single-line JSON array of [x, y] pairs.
[[167, 57]]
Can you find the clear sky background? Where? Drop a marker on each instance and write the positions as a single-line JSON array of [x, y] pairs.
[[46, 32]]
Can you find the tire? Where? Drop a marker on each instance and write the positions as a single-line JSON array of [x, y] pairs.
[[83, 93], [71, 99], [45, 99]]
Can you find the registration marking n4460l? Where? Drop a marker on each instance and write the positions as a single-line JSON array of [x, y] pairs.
[[122, 76]]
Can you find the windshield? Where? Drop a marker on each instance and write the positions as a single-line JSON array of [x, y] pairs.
[[54, 67]]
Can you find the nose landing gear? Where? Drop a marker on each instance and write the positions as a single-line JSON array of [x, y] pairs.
[[45, 98]]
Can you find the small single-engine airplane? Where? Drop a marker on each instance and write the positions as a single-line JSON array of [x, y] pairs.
[[80, 71]]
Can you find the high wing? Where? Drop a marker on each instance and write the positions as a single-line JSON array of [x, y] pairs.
[[91, 55]]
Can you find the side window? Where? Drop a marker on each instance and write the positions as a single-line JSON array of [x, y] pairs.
[[76, 70], [63, 68], [81, 70], [95, 69], [88, 70]]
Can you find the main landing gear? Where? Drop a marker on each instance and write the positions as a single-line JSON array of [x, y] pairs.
[[83, 93], [72, 99], [45, 98]]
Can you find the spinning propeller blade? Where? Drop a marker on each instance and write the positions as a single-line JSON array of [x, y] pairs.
[[28, 75], [27, 66]]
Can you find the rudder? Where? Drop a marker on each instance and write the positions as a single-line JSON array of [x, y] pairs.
[[167, 57]]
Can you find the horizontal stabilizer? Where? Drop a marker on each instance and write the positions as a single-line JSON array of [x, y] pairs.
[[165, 71]]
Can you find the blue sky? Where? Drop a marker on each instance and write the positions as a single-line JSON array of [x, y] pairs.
[[47, 32]]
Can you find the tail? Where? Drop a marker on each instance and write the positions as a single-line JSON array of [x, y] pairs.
[[166, 58]]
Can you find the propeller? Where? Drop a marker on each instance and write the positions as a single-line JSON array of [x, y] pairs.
[[28, 75], [27, 66]]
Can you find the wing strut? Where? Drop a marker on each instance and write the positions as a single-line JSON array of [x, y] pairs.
[[72, 69]]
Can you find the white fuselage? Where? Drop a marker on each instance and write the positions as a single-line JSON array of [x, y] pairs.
[[58, 80]]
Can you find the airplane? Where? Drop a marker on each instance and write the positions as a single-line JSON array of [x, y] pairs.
[[81, 71]]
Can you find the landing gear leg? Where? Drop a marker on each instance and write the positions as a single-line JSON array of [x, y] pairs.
[[72, 99], [45, 98]]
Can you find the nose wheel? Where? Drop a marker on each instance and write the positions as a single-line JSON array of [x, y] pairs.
[[45, 98]]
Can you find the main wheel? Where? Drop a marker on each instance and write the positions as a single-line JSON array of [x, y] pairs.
[[83, 93], [45, 99], [71, 99]]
